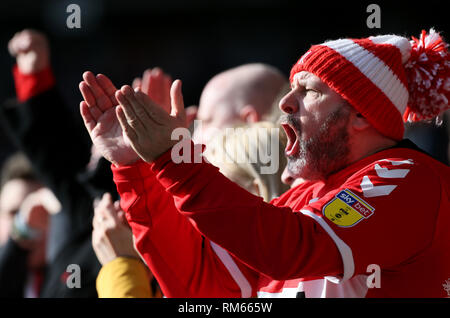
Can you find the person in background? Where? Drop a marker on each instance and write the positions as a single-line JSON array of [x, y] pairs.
[[239, 154], [25, 209], [244, 94], [63, 161]]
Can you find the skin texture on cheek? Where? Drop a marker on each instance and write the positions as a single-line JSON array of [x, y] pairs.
[[325, 151]]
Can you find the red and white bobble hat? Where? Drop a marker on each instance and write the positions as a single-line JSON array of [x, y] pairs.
[[388, 79]]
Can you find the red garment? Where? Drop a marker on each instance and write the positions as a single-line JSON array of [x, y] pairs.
[[183, 262], [29, 85], [319, 239]]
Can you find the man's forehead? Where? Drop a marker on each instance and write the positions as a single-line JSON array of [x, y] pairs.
[[306, 76]]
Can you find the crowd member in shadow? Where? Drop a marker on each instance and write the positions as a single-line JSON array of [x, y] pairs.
[[63, 160], [25, 209]]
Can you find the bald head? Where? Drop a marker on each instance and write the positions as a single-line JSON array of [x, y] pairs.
[[245, 93]]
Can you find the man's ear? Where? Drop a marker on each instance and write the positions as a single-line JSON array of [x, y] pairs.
[[248, 114], [359, 122]]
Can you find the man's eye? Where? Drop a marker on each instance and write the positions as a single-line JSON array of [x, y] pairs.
[[312, 93]]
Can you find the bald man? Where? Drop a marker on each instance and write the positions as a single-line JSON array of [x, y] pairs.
[[244, 94]]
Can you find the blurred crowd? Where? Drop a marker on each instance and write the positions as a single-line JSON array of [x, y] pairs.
[[59, 204]]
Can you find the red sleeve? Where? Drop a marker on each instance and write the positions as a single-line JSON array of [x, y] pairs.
[[275, 241], [182, 260], [379, 215], [29, 85]]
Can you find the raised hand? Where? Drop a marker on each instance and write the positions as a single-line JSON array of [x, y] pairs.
[[147, 126], [31, 50], [156, 84], [99, 116]]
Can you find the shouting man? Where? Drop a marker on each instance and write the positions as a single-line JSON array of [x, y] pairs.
[[369, 201]]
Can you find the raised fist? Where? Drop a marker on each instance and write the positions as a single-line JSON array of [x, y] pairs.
[[31, 50]]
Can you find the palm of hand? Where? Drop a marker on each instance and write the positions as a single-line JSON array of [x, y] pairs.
[[98, 112], [108, 137]]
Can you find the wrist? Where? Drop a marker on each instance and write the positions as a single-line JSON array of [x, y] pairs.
[[30, 85]]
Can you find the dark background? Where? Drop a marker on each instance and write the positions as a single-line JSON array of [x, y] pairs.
[[194, 40]]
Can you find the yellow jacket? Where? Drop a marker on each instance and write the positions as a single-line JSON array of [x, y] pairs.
[[125, 277]]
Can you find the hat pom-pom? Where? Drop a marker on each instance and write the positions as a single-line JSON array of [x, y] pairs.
[[428, 74]]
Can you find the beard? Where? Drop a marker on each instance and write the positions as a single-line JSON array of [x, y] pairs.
[[323, 153]]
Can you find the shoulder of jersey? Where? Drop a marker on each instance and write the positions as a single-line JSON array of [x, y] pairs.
[[396, 167]]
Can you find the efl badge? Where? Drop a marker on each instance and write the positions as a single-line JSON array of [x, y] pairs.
[[347, 209]]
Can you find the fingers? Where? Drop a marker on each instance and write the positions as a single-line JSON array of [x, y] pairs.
[[156, 84], [105, 213], [155, 113], [90, 100], [146, 81], [177, 102], [133, 117], [87, 94], [88, 118], [167, 84], [137, 83], [126, 128], [108, 209], [102, 99], [191, 114], [108, 87], [90, 103]]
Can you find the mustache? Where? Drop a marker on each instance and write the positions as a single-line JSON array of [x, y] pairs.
[[292, 121]]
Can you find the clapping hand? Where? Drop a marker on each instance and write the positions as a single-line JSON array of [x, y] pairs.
[[111, 235], [146, 125], [99, 115], [127, 124]]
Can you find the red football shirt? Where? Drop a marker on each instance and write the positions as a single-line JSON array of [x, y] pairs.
[[378, 228]]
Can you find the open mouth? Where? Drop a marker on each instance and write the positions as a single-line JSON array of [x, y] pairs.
[[293, 140]]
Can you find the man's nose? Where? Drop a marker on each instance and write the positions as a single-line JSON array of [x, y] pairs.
[[289, 104]]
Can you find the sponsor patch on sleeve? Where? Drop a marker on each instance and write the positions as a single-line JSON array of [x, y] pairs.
[[347, 209]]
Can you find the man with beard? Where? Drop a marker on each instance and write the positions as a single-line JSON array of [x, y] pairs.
[[360, 209]]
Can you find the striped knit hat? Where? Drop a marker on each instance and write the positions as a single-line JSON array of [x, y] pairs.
[[387, 78]]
